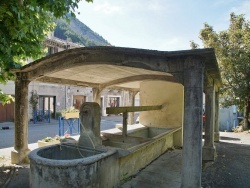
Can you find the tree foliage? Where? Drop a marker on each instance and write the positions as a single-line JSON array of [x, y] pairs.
[[193, 45], [24, 25], [232, 48]]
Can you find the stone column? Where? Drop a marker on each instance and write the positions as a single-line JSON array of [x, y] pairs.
[[90, 118], [216, 120], [192, 129], [20, 153], [208, 151], [96, 95], [131, 116]]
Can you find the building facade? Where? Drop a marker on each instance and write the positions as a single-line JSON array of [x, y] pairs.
[[55, 97]]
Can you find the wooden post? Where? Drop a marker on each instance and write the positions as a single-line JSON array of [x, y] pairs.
[[125, 124], [118, 110]]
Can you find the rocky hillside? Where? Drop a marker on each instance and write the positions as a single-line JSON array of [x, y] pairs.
[[77, 32]]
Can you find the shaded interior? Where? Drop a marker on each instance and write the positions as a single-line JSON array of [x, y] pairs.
[[119, 141], [135, 137], [149, 132]]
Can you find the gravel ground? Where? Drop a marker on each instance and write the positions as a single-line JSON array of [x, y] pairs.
[[6, 171], [231, 168]]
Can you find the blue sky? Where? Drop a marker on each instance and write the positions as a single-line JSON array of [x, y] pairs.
[[164, 25]]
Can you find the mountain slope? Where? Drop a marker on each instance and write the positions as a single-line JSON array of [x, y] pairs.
[[78, 32]]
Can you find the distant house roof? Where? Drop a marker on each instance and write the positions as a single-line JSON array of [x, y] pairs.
[[54, 41]]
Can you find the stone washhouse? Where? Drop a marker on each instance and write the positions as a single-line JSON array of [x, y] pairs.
[[173, 82]]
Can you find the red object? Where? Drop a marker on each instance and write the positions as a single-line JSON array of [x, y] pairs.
[[204, 118]]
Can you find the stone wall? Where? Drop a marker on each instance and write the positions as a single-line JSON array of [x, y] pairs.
[[170, 95]]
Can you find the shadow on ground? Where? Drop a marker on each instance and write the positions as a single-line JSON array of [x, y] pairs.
[[228, 138]]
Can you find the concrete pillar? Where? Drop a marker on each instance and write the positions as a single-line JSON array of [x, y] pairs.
[[208, 151], [216, 119], [192, 129], [20, 153], [131, 116], [96, 95]]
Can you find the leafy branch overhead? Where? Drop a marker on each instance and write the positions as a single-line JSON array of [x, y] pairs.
[[232, 48], [24, 25]]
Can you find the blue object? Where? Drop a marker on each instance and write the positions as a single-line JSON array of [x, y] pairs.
[[72, 123], [41, 116]]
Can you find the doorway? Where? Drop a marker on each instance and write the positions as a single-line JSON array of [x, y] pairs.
[[113, 101], [47, 103], [78, 100], [7, 112]]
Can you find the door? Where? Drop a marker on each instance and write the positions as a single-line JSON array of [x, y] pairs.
[[7, 112], [78, 100]]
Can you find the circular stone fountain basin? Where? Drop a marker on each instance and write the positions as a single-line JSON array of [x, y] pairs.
[[72, 166]]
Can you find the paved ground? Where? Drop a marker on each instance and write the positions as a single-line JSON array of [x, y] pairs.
[[43, 129], [230, 169], [161, 173]]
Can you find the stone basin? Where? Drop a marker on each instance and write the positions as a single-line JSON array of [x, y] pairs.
[[136, 137], [140, 147], [72, 166], [69, 152], [149, 132], [118, 141]]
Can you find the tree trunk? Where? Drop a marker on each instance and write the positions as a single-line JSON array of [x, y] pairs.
[[246, 113]]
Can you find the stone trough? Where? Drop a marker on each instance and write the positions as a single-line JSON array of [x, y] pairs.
[[96, 161], [140, 135], [141, 146]]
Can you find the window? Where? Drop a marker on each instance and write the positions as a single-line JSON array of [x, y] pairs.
[[52, 50], [114, 101]]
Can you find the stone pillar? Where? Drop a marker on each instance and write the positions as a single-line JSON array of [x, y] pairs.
[[216, 119], [90, 118], [20, 153], [208, 151], [96, 95], [131, 116], [192, 129]]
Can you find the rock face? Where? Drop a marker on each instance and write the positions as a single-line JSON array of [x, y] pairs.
[[78, 32], [90, 118]]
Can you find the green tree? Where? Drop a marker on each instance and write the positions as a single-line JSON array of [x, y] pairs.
[[193, 45], [232, 48], [24, 24]]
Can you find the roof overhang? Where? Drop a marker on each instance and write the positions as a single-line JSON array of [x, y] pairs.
[[116, 67]]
